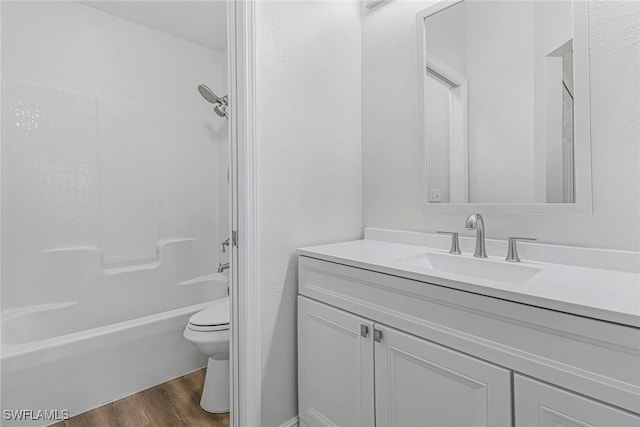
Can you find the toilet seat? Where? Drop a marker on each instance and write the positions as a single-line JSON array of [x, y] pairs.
[[198, 328], [213, 318]]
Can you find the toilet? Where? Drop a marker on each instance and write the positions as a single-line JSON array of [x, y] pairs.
[[208, 331]]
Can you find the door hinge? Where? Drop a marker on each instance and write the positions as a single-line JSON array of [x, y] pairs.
[[364, 331], [234, 238], [377, 335]]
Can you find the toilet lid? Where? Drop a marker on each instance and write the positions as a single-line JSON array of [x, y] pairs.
[[217, 314]]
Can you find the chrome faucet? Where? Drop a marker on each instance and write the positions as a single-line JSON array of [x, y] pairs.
[[475, 222], [222, 267]]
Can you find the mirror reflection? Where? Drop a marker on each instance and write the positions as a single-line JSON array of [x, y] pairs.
[[499, 103]]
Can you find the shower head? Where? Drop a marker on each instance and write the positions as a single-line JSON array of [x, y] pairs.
[[219, 104], [209, 95]]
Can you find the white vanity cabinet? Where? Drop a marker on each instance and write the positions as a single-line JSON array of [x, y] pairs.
[[380, 350], [417, 383]]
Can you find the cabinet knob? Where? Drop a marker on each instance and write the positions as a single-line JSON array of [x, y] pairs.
[[377, 335]]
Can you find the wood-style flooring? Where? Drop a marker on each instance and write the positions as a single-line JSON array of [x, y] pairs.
[[171, 404]]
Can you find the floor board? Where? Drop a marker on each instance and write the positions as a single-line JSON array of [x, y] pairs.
[[171, 404]]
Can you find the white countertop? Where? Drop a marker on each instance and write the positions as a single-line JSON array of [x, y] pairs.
[[599, 293]]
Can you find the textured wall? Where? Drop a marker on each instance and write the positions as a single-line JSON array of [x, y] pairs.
[[391, 151], [309, 177]]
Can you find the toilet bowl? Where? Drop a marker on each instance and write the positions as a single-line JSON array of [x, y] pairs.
[[208, 331]]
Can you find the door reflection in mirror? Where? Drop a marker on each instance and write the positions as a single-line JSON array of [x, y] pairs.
[[499, 103]]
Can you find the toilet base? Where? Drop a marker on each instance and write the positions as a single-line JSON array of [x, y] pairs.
[[215, 393]]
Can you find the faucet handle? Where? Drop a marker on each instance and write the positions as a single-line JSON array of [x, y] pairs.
[[455, 244], [512, 248]]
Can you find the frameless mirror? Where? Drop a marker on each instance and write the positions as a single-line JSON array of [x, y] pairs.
[[504, 106]]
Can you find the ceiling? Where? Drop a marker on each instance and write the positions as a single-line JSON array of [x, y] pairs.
[[202, 22]]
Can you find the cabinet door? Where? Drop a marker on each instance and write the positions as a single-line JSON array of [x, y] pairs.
[[539, 404], [335, 367], [419, 383]]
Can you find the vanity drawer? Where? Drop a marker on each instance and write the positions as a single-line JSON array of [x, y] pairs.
[[556, 347]]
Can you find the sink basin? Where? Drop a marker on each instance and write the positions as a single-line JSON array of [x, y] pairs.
[[482, 269]]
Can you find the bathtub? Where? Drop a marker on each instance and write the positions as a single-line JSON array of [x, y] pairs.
[[63, 358]]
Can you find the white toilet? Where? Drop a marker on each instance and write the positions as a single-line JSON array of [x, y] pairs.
[[208, 330]]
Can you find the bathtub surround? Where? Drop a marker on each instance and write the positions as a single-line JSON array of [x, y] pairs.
[[122, 156], [68, 204], [308, 138], [115, 201], [392, 172]]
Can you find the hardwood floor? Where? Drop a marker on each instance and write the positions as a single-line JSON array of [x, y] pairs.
[[172, 404]]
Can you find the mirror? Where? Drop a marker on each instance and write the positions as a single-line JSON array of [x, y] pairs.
[[503, 90]]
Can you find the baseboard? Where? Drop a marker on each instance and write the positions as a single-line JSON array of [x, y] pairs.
[[293, 422]]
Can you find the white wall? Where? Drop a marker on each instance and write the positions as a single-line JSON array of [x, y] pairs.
[[115, 149], [309, 175], [391, 171]]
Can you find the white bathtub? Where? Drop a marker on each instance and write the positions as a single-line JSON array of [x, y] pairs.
[[53, 357]]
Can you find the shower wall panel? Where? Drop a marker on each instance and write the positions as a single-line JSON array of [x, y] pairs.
[[109, 154]]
